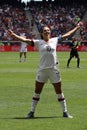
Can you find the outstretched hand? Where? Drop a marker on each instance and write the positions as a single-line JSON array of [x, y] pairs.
[[80, 24], [10, 33]]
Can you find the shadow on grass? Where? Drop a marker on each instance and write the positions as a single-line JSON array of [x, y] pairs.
[[25, 118], [37, 117]]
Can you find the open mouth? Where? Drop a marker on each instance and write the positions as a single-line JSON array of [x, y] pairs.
[[47, 33]]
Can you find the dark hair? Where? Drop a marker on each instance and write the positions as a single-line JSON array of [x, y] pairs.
[[41, 30]]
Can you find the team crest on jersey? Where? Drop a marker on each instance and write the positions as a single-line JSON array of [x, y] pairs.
[[48, 48]]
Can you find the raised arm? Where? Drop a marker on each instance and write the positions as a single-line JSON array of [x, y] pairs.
[[66, 35], [20, 38]]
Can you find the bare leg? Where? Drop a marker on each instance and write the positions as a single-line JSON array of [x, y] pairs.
[[38, 87], [57, 87], [24, 56], [20, 56]]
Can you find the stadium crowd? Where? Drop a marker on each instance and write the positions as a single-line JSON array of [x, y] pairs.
[[15, 19], [60, 18]]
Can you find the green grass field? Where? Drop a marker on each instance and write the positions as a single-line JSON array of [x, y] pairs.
[[17, 87]]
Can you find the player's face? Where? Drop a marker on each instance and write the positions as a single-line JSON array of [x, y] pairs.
[[46, 33]]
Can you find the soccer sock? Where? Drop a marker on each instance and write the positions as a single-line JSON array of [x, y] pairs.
[[35, 100], [20, 59], [62, 101], [24, 59], [78, 62]]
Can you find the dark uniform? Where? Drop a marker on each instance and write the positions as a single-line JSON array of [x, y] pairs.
[[74, 53]]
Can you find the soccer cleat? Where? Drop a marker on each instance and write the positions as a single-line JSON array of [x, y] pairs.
[[67, 115], [30, 115], [19, 60], [68, 67], [24, 60], [78, 66]]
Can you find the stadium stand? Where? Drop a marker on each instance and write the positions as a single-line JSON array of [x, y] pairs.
[[59, 18], [14, 18], [28, 18]]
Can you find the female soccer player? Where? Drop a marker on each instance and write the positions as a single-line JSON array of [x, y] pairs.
[[48, 66], [23, 50]]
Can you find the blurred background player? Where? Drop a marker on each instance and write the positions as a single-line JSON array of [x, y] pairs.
[[74, 52], [23, 50]]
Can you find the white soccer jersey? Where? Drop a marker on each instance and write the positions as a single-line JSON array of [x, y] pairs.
[[23, 47], [48, 57]]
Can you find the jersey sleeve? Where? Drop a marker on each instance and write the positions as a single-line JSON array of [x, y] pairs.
[[36, 43]]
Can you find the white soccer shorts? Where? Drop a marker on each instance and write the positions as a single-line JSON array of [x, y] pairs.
[[23, 49], [52, 74]]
